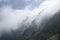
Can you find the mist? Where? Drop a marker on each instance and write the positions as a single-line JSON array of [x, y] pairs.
[[11, 19]]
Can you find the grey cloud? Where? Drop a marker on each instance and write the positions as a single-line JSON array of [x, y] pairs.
[[20, 4]]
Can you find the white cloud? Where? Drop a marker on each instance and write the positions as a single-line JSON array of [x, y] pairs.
[[11, 17], [49, 8]]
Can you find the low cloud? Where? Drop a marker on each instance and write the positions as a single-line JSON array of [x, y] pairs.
[[9, 18]]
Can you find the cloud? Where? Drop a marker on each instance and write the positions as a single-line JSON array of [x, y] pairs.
[[10, 18], [20, 4], [47, 10], [34, 3]]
